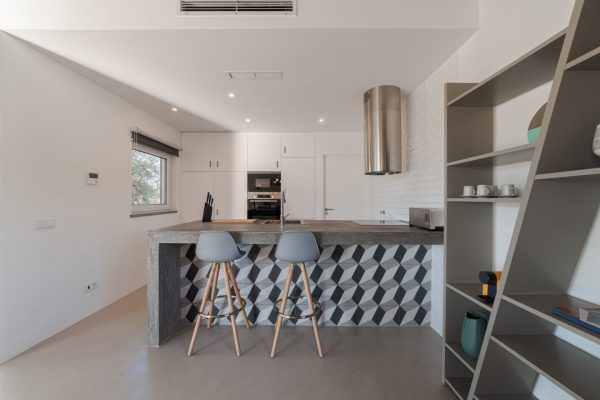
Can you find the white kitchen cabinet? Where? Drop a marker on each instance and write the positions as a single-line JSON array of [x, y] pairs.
[[198, 151], [194, 187], [230, 195], [298, 182], [264, 151], [231, 151], [298, 144]]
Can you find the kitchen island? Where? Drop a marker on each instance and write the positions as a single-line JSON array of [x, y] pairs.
[[368, 275]]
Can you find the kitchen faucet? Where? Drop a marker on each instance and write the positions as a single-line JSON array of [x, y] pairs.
[[282, 216]]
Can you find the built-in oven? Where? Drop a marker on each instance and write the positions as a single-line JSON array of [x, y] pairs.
[[264, 205], [264, 195]]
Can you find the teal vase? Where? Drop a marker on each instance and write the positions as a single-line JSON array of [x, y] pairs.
[[473, 331]]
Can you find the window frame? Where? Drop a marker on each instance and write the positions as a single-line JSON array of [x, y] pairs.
[[166, 182]]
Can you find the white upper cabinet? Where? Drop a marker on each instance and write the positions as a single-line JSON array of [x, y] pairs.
[[194, 187], [231, 195], [298, 182], [264, 151], [231, 151], [298, 144], [197, 151]]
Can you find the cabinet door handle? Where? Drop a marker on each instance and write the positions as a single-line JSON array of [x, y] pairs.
[[217, 163], [210, 164], [284, 149], [277, 163]]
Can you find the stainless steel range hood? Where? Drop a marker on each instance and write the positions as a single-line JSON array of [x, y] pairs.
[[383, 133]]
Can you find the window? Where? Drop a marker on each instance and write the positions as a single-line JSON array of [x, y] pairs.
[[150, 177]]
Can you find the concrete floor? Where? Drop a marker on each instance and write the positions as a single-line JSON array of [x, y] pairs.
[[105, 357]]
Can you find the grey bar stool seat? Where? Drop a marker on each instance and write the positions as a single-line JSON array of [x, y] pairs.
[[297, 248], [219, 249]]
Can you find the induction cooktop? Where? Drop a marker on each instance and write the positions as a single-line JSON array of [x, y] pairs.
[[394, 222]]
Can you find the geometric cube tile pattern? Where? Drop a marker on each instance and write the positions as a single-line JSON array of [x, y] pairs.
[[357, 285]]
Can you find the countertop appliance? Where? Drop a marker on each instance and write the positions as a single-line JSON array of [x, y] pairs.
[[428, 218], [264, 195]]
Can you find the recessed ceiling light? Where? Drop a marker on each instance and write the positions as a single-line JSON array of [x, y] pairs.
[[248, 120], [175, 109], [232, 95], [321, 120]]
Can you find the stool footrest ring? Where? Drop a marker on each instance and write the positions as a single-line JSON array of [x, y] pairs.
[[219, 316], [316, 305]]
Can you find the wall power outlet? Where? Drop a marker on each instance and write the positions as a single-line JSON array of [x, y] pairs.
[[91, 286]]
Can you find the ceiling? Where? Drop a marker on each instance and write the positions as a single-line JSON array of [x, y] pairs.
[[327, 63]]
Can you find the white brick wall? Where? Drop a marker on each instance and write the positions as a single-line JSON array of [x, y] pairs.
[[422, 183]]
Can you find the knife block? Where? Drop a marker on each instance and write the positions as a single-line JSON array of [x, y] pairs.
[[207, 215]]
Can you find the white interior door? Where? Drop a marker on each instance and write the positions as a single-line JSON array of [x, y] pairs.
[[345, 188]]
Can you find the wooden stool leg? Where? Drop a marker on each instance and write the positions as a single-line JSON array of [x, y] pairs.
[[311, 308], [232, 310], [201, 310], [213, 295], [286, 290], [236, 290]]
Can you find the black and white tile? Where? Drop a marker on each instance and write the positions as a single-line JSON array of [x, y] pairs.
[[358, 285]]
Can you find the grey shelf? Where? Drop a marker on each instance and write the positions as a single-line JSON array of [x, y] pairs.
[[578, 173], [470, 292], [484, 200], [500, 157], [528, 72], [460, 386], [457, 350], [587, 62], [541, 305], [570, 368]]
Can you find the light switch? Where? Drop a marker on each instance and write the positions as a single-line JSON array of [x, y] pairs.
[[44, 223], [92, 178]]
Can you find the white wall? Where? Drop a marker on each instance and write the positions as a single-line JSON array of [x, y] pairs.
[[55, 127], [508, 29]]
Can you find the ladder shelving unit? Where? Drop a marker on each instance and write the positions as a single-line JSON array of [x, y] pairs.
[[556, 212]]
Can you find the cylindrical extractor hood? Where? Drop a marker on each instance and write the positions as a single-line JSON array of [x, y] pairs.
[[383, 133]]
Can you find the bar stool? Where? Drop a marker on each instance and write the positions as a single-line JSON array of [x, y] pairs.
[[220, 249], [297, 248]]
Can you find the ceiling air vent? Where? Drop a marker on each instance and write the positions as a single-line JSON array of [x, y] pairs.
[[254, 75], [241, 7]]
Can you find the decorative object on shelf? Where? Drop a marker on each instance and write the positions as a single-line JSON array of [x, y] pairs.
[[207, 215], [494, 191], [590, 315], [473, 331], [508, 190], [596, 142], [490, 281], [572, 315], [535, 126]]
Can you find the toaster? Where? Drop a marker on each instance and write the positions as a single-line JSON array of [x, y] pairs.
[[428, 218]]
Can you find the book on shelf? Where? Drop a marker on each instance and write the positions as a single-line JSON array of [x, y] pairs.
[[572, 315]]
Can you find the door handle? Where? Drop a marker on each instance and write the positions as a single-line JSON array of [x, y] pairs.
[[277, 163], [217, 163], [284, 149], [210, 164], [329, 209], [326, 210]]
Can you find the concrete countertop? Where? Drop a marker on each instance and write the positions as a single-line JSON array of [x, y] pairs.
[[326, 232]]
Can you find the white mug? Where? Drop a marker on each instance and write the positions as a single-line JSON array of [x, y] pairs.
[[469, 191], [508, 190], [483, 190]]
